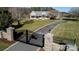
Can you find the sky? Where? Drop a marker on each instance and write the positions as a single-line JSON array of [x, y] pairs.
[[63, 9]]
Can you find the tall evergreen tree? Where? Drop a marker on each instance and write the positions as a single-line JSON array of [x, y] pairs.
[[5, 18]]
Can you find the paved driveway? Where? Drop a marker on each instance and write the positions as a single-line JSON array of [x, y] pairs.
[[46, 29], [25, 47]]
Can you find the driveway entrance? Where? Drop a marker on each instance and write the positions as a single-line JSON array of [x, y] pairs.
[[29, 37]]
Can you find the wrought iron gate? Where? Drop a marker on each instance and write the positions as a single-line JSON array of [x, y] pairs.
[[29, 37]]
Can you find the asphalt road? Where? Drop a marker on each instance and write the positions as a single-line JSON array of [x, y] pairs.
[[25, 47]]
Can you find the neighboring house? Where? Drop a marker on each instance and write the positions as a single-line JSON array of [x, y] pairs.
[[39, 15], [54, 14]]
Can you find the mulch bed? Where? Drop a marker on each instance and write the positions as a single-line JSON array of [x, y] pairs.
[[41, 49], [6, 41], [5, 44]]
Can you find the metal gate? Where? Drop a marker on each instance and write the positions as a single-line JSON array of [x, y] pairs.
[[30, 37]]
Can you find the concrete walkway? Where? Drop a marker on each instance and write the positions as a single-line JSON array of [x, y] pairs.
[[25, 47]]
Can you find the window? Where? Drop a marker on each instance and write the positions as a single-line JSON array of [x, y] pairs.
[[37, 16], [33, 16]]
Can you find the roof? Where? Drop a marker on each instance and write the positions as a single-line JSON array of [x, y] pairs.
[[39, 13], [52, 11]]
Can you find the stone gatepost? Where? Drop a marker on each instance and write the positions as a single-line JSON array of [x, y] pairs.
[[1, 34], [48, 42], [71, 47], [10, 34]]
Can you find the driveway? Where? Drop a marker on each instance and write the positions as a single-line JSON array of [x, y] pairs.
[[48, 28], [25, 47]]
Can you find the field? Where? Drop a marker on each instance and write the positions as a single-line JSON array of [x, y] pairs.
[[67, 32]]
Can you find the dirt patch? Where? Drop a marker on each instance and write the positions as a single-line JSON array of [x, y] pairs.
[[41, 49], [5, 44]]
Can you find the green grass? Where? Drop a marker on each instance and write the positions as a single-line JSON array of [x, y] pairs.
[[5, 44], [67, 32], [35, 24]]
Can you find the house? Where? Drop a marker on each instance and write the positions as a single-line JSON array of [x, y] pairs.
[[39, 15], [53, 14], [49, 14]]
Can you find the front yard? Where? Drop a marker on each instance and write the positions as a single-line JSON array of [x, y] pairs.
[[33, 25], [67, 32], [5, 44], [30, 25]]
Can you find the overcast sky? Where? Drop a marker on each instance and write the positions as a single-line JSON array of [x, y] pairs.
[[63, 9]]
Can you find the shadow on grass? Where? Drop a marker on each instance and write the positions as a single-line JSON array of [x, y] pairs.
[[28, 22], [17, 26], [71, 19], [62, 40]]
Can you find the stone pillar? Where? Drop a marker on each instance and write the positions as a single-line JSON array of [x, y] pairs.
[[71, 47], [1, 35], [48, 42], [10, 34]]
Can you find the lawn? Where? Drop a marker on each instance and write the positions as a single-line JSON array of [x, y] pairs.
[[33, 25], [67, 32], [5, 44]]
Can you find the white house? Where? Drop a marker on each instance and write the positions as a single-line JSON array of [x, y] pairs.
[[44, 14], [39, 15]]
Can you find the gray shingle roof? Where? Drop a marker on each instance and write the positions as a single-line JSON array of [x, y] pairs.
[[39, 13]]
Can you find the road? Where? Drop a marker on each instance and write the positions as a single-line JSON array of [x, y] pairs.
[[26, 47]]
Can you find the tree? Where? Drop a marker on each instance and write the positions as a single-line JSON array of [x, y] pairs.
[[19, 13], [75, 11], [5, 18]]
